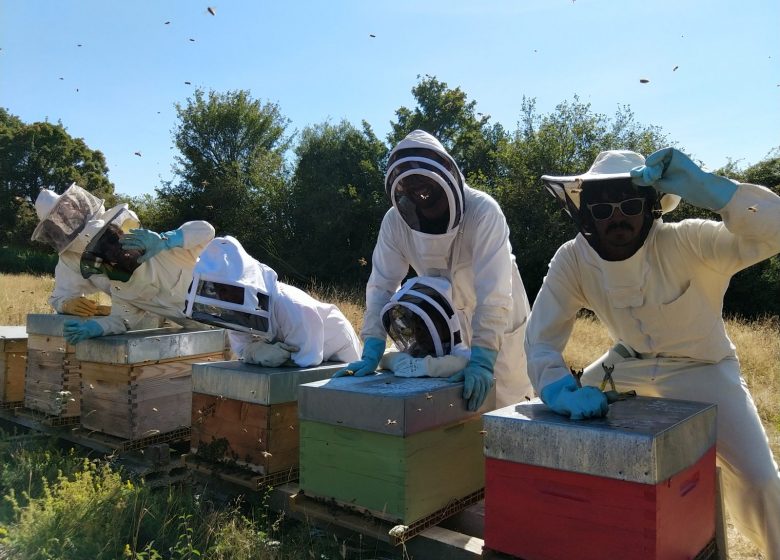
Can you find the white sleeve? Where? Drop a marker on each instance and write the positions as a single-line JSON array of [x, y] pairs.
[[493, 270], [388, 268], [69, 284], [300, 325], [552, 320]]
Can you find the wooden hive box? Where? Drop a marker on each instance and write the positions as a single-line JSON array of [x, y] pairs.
[[399, 448], [639, 483], [13, 363], [53, 380], [248, 414], [139, 384]]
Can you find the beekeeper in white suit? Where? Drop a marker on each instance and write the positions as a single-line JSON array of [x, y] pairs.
[[62, 220], [440, 226], [148, 272], [270, 323], [658, 288], [425, 330]]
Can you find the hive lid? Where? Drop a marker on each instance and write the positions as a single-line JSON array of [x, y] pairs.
[[386, 404], [15, 334], [642, 439], [134, 347], [50, 324], [255, 384]]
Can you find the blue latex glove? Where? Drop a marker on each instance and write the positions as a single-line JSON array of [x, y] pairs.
[[152, 243], [477, 376], [76, 331], [565, 398], [671, 171], [373, 348]]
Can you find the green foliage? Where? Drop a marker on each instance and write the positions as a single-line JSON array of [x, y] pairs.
[[42, 155], [766, 172], [231, 171], [336, 203], [20, 260]]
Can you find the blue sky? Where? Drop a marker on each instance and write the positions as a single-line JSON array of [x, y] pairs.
[[317, 60]]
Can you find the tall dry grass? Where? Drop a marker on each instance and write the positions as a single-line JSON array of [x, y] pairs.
[[757, 342]]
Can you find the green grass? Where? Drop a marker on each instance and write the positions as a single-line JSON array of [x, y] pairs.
[[58, 505]]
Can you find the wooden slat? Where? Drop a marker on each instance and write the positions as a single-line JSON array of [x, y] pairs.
[[49, 344]]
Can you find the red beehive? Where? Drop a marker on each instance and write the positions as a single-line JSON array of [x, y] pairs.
[[638, 484]]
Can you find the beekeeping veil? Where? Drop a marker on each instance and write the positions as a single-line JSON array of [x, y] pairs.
[[420, 320], [63, 217], [232, 290], [101, 240]]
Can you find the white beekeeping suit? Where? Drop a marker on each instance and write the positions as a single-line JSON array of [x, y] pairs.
[[157, 285], [270, 322], [662, 306], [472, 251], [61, 219]]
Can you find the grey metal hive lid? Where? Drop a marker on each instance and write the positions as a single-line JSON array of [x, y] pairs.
[[643, 439], [386, 404], [50, 324], [150, 345], [256, 384]]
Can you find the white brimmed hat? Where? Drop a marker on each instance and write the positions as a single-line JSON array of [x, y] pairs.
[[612, 164], [62, 217]]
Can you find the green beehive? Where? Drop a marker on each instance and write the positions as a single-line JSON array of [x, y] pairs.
[[401, 449]]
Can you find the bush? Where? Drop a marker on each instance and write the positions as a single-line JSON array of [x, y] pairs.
[[26, 260]]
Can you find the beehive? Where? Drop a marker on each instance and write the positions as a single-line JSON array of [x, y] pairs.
[[637, 484], [399, 448], [249, 414], [13, 362], [139, 384], [53, 381]]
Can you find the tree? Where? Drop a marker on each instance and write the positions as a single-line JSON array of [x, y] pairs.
[[337, 202], [42, 155], [563, 142], [231, 170], [452, 119]]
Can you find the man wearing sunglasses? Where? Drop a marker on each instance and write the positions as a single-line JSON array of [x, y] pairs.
[[658, 288], [441, 227]]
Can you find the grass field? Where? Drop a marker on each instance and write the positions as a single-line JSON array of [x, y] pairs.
[[758, 346]]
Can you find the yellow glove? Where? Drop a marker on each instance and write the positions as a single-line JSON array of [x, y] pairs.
[[79, 306], [103, 310]]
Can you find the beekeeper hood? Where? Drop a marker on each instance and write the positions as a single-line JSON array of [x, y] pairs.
[[232, 290], [609, 165], [420, 320], [63, 217], [100, 244], [422, 179]]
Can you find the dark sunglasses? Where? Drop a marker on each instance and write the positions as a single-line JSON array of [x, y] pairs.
[[628, 207]]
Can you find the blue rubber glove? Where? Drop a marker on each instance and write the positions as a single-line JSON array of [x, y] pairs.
[[76, 331], [477, 376], [671, 171], [565, 398], [373, 348], [152, 243]]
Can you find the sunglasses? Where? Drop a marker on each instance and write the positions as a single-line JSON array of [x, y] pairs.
[[628, 207]]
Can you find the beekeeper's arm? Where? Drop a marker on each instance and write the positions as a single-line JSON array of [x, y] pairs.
[[190, 235], [300, 326], [750, 231], [388, 269], [69, 289], [549, 327], [492, 268]]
